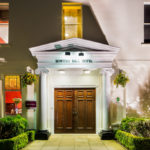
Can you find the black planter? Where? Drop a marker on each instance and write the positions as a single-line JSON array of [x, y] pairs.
[[106, 134], [42, 135]]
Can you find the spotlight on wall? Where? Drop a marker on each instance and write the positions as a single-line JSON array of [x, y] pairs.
[[81, 54], [87, 71], [61, 71], [67, 53]]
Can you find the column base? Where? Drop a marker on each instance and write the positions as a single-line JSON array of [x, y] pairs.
[[106, 135], [42, 135]]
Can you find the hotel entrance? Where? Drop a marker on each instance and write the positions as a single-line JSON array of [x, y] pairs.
[[75, 110], [70, 72]]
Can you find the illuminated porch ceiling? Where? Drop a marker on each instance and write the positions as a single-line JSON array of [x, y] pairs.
[[94, 54]]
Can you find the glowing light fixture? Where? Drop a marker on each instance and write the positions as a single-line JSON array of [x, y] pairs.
[[61, 71], [87, 71], [66, 34], [66, 18]]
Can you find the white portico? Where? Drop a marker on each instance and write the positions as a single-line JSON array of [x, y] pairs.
[[73, 57]]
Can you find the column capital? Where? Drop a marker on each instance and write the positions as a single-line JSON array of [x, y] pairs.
[[108, 71], [41, 70]]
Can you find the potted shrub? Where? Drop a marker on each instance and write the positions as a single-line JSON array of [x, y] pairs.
[[28, 78], [17, 101]]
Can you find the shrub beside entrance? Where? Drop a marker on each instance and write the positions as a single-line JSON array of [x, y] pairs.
[[134, 133], [12, 126], [17, 142], [13, 134], [132, 142]]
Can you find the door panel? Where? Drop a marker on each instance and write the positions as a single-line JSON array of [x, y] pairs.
[[59, 121], [74, 110], [68, 114]]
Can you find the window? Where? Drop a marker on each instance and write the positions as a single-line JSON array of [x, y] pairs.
[[71, 20], [147, 23], [4, 22], [12, 90]]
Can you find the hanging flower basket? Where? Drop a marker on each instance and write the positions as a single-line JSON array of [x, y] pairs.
[[28, 78], [121, 79]]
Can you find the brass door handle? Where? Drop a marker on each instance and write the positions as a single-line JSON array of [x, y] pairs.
[[75, 113]]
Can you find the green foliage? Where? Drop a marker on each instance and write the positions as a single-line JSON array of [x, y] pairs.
[[17, 100], [31, 135], [17, 142], [28, 78], [132, 142], [121, 79], [12, 126], [136, 126], [14, 143]]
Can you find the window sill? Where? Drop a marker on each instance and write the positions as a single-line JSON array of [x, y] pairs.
[[4, 45]]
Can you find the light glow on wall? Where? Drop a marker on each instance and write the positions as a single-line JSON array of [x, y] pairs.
[[87, 71], [61, 71]]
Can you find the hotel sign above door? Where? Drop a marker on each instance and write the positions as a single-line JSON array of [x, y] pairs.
[[59, 61]]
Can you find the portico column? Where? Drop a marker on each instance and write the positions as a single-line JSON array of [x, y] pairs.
[[106, 77], [43, 92]]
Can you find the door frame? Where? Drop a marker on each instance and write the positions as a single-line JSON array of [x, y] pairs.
[[74, 99]]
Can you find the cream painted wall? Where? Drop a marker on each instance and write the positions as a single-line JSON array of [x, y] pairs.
[[122, 22], [73, 79]]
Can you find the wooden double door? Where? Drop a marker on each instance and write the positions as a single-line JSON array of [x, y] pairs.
[[75, 110]]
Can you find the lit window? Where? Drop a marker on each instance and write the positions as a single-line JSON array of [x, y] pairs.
[[4, 22], [12, 90], [71, 20]]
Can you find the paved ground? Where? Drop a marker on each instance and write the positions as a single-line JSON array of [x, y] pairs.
[[74, 142]]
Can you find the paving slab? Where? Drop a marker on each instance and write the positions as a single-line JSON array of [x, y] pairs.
[[74, 142]]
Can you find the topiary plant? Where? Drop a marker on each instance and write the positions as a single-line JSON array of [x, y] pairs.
[[121, 79], [12, 126]]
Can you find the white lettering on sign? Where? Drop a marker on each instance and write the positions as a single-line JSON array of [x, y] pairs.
[[73, 61]]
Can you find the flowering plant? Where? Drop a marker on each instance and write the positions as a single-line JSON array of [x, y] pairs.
[[121, 79], [28, 78], [17, 100]]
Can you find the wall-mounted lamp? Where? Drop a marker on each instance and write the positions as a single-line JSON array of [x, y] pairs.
[[67, 53], [81, 54]]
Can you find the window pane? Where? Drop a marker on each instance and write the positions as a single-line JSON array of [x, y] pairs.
[[12, 82], [4, 22], [147, 13], [10, 105], [72, 31], [72, 21], [147, 33]]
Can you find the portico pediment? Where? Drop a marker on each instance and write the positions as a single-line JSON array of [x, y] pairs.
[[94, 54]]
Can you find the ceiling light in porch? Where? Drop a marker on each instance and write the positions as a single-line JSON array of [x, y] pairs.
[[87, 71], [61, 71]]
